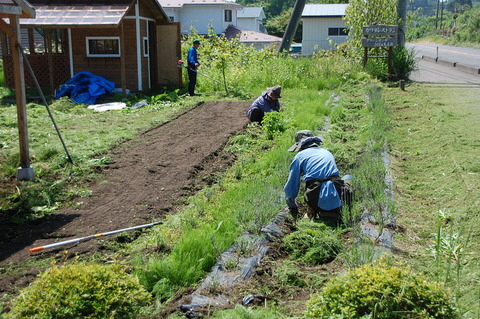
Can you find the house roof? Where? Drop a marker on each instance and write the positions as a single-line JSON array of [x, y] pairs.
[[324, 10], [250, 12], [84, 13], [181, 3], [249, 35]]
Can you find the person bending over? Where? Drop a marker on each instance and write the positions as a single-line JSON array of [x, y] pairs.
[[267, 102], [318, 168]]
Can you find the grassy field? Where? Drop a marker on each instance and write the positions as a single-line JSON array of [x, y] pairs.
[[435, 155], [430, 132]]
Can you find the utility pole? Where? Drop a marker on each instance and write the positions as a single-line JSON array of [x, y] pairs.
[[292, 25], [401, 21], [436, 19], [441, 20]]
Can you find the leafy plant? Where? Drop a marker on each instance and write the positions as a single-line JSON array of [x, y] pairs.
[[360, 13], [387, 291], [80, 290], [403, 63], [288, 274], [274, 123], [241, 312], [313, 243]]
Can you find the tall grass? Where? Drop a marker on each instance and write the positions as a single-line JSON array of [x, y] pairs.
[[252, 192], [247, 70]]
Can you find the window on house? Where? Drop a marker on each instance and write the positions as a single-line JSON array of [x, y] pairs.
[[145, 47], [101, 47], [337, 31], [228, 15], [172, 18]]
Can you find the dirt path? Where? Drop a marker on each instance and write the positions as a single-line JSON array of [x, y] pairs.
[[147, 177]]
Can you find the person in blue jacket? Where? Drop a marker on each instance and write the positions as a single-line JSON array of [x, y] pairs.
[[318, 168], [193, 64], [267, 102]]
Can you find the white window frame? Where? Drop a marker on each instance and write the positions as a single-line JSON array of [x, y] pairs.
[[146, 47], [95, 55]]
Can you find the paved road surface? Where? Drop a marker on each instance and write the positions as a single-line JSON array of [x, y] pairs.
[[465, 56], [453, 65]]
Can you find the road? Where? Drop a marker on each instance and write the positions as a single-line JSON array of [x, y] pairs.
[[465, 56], [446, 64]]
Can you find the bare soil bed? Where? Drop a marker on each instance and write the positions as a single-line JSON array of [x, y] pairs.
[[147, 178]]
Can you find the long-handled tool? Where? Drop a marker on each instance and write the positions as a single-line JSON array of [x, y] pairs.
[[76, 240], [180, 64]]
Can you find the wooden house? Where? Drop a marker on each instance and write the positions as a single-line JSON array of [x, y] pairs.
[[323, 25], [130, 42]]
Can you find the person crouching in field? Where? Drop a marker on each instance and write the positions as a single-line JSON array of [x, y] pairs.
[[319, 171], [267, 102]]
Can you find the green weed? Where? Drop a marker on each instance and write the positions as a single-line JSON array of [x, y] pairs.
[[313, 243]]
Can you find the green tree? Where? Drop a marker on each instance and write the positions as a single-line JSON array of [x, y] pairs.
[[361, 13], [277, 25], [468, 26]]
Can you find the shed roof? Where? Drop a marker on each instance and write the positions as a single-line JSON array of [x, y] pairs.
[[181, 3], [324, 10], [250, 12], [250, 36], [84, 13]]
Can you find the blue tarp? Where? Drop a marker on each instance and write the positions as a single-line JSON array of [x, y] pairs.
[[85, 87]]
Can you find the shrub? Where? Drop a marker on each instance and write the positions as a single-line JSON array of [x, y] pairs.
[[381, 290], [403, 63], [274, 123], [80, 290], [313, 243]]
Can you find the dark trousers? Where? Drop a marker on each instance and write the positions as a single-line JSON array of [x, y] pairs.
[[192, 79], [256, 115], [312, 193]]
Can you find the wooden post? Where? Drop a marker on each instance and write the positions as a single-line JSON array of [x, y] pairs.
[[123, 72], [25, 172], [49, 49], [31, 40], [365, 56], [3, 37], [390, 61]]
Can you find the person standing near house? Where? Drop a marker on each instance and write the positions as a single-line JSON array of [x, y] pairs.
[[267, 102], [193, 64]]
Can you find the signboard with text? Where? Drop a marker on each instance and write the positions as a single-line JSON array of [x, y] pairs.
[[379, 42], [379, 36], [380, 29]]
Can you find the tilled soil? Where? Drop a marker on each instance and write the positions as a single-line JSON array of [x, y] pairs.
[[146, 179]]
